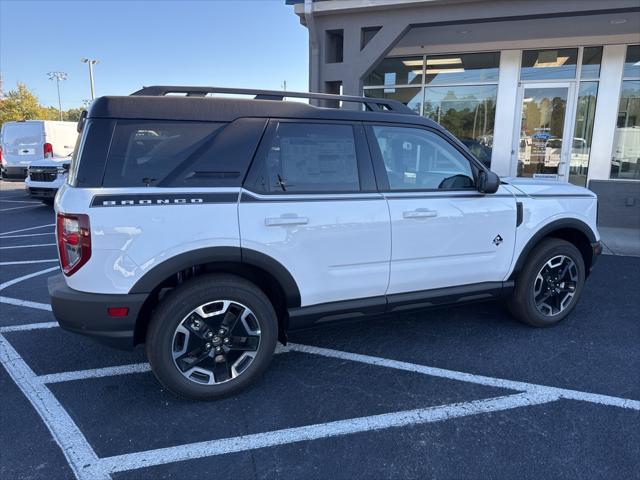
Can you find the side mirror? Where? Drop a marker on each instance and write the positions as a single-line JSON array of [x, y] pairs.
[[488, 182], [81, 121]]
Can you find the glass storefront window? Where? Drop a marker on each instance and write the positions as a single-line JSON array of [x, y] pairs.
[[542, 131], [632, 62], [396, 71], [591, 59], [583, 133], [468, 112], [410, 96], [625, 163], [465, 68], [549, 64]]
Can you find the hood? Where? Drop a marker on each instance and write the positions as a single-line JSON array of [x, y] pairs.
[[533, 186], [51, 162]]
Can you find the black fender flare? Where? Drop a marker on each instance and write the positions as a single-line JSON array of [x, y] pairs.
[[564, 223], [227, 255]]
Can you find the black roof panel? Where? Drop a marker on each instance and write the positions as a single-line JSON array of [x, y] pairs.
[[220, 109]]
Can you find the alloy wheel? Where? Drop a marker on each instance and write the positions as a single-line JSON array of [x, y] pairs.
[[216, 342], [555, 285]]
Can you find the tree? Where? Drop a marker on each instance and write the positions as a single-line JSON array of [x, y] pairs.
[[20, 104], [73, 114]]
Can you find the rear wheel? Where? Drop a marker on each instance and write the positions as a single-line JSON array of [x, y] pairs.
[[211, 337], [47, 201], [550, 284]]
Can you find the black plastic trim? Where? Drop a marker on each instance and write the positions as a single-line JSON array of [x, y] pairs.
[[566, 223], [86, 313], [248, 197], [162, 199], [307, 316], [519, 213], [226, 255]]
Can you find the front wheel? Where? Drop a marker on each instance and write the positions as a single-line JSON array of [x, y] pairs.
[[212, 336], [550, 284]]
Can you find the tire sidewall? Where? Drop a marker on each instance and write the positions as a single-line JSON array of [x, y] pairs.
[[179, 304]]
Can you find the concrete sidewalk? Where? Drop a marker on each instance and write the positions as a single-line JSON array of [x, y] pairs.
[[620, 241]]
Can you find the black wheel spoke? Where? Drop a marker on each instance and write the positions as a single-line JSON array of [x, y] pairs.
[[222, 370], [230, 320], [192, 358], [245, 344]]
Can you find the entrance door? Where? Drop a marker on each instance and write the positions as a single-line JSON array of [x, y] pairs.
[[543, 139]]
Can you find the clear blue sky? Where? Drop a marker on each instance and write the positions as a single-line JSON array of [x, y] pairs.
[[231, 43]]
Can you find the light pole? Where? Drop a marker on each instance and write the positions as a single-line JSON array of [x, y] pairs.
[[57, 76], [91, 63]]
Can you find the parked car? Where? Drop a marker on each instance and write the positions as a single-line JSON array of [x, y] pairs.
[[210, 227], [23, 142], [46, 176]]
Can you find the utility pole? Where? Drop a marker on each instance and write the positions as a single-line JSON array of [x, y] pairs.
[[284, 85], [57, 76], [91, 63]]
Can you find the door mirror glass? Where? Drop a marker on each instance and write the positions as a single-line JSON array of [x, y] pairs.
[[488, 182]]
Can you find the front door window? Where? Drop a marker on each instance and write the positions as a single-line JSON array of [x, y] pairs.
[[542, 145]]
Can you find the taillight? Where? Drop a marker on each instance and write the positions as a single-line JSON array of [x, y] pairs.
[[1, 159], [48, 150], [74, 241]]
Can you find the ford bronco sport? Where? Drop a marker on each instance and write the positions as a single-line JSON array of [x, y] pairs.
[[208, 227]]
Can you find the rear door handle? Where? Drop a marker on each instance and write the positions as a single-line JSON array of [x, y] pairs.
[[420, 213], [285, 220]]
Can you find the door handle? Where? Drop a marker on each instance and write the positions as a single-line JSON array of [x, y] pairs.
[[285, 221], [420, 213]]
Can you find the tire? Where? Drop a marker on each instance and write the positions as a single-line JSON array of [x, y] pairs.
[[47, 201], [525, 303], [172, 332]]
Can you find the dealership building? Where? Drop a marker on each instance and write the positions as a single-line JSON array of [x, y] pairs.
[[544, 89]]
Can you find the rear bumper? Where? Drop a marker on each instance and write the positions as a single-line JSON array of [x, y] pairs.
[[86, 313], [37, 192], [15, 172]]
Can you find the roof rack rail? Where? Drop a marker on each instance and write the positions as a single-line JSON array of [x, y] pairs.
[[372, 104]]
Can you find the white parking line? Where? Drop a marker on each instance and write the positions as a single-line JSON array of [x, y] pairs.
[[27, 229], [95, 373], [25, 303], [79, 454], [371, 423], [27, 277], [469, 377], [27, 235], [24, 206], [20, 201], [27, 246], [26, 262], [28, 326]]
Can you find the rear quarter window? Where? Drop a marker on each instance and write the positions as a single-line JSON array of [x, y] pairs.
[[147, 153]]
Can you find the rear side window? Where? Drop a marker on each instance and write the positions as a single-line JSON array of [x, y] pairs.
[[144, 153], [309, 157]]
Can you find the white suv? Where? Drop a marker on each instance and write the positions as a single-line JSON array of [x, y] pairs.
[[209, 227]]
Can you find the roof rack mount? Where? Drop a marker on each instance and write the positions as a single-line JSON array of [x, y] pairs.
[[372, 104]]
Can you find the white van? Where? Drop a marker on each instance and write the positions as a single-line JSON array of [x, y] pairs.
[[24, 141]]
